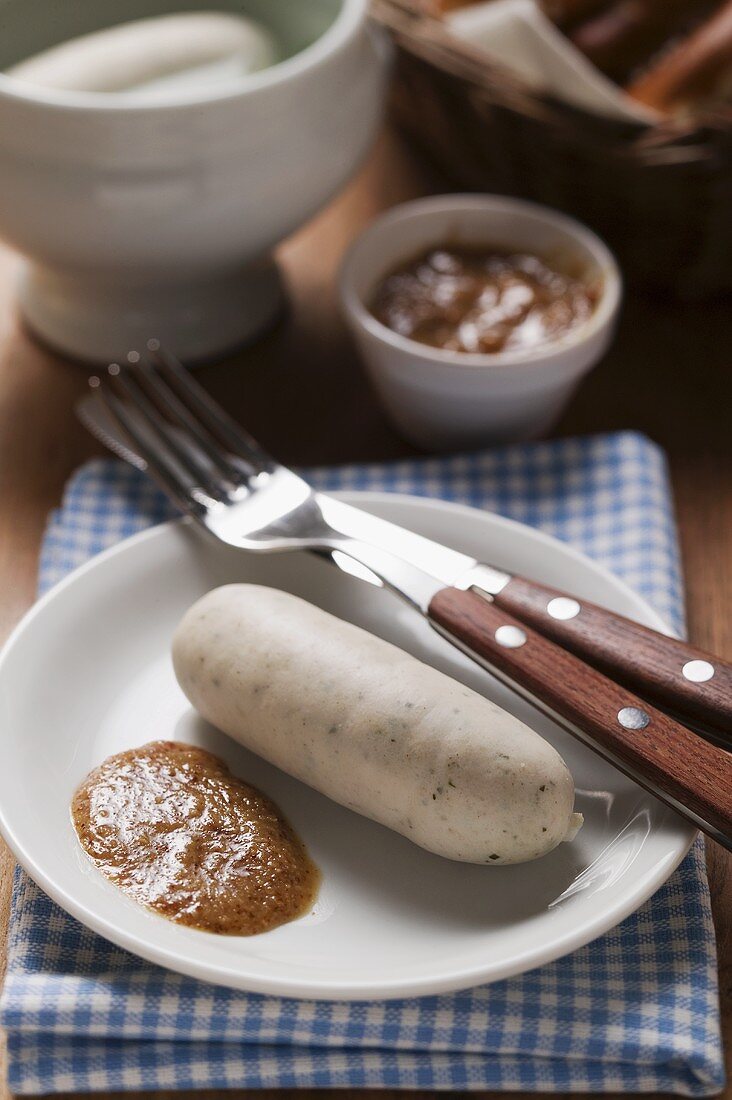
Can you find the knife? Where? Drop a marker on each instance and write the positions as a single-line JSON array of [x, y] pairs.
[[193, 448], [686, 683]]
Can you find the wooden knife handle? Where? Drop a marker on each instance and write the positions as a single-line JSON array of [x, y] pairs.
[[690, 684], [688, 773]]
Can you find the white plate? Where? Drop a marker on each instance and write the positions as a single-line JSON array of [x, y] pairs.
[[88, 673]]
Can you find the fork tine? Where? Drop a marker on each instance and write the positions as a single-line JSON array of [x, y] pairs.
[[184, 454], [167, 400], [157, 461], [221, 426]]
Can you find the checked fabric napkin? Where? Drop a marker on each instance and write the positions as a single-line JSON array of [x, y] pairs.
[[635, 1011]]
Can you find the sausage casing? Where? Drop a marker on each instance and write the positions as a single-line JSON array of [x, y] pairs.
[[373, 728]]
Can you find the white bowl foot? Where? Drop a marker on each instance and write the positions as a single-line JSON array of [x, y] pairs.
[[97, 320]]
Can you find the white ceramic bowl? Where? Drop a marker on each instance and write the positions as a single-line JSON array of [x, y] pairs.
[[159, 218], [444, 400]]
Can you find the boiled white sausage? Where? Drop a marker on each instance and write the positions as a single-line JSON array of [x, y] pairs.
[[373, 728], [177, 52]]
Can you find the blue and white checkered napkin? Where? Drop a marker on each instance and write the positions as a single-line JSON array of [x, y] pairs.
[[636, 1011]]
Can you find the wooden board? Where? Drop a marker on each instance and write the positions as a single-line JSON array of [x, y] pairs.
[[302, 393]]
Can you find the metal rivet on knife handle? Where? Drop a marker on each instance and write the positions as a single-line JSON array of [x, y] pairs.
[[698, 672], [563, 608], [510, 637], [633, 718]]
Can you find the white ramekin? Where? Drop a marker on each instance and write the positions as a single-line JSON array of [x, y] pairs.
[[444, 400]]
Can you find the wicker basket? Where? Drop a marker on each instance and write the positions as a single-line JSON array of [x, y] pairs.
[[660, 195]]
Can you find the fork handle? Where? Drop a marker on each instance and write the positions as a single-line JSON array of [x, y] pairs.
[[689, 774], [693, 685]]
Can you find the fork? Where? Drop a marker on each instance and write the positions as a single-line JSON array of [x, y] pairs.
[[219, 475]]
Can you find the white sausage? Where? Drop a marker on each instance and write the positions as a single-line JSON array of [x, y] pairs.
[[373, 728], [152, 54]]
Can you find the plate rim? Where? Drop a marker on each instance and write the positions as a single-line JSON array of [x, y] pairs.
[[313, 989]]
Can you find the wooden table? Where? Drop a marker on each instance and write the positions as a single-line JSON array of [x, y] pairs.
[[302, 393]]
